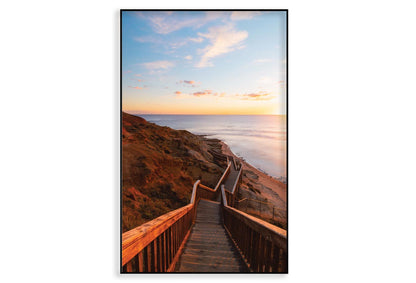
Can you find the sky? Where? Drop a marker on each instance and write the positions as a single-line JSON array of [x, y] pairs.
[[204, 62]]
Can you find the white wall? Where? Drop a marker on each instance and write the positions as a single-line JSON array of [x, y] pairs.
[[351, 140]]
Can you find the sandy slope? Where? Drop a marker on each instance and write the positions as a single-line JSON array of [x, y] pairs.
[[160, 165]]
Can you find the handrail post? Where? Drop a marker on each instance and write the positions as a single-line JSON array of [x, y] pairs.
[[223, 176], [224, 199], [194, 191]]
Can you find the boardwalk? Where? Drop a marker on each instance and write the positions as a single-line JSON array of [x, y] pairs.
[[207, 235], [209, 248], [231, 179]]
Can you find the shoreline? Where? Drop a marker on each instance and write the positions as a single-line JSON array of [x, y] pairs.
[[257, 184], [227, 150], [161, 164], [259, 187], [264, 150]]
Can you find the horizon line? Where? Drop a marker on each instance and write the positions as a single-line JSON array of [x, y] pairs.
[[205, 114]]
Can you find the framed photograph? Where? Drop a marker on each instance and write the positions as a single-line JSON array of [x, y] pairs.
[[204, 163]]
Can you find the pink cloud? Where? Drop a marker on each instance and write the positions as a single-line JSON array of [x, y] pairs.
[[189, 83], [206, 92], [262, 95], [202, 93]]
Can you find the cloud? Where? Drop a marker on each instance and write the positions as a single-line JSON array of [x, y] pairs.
[[138, 75], [203, 93], [189, 57], [243, 15], [207, 92], [139, 80], [148, 39], [197, 39], [176, 45], [253, 96], [158, 65], [223, 39], [167, 22], [183, 42], [265, 80], [262, 95], [136, 87], [170, 46], [259, 61], [189, 83]]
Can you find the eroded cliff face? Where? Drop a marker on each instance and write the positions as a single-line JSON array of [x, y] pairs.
[[159, 167]]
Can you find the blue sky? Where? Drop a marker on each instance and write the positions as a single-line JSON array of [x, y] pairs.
[[204, 62]]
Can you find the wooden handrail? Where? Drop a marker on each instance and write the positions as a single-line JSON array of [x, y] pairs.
[[226, 172], [135, 240], [155, 245], [206, 188], [263, 202], [194, 191], [224, 198], [237, 180], [277, 234], [263, 245], [235, 164]]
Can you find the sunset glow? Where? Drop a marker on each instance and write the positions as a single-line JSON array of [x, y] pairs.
[[204, 62]]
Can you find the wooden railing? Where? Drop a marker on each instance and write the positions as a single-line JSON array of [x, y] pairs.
[[237, 165], [231, 196], [152, 247], [262, 245], [263, 209], [224, 175], [155, 246]]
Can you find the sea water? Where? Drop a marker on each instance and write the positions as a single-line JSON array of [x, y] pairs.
[[258, 139]]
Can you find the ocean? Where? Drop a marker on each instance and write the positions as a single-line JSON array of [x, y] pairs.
[[259, 139]]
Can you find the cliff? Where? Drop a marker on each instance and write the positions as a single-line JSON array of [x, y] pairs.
[[159, 167]]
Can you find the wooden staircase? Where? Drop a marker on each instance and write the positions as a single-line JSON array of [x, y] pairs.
[[207, 235], [231, 178], [209, 248]]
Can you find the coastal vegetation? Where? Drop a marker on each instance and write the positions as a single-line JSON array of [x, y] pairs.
[[160, 165]]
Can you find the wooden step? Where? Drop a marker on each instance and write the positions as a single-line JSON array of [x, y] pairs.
[[227, 253], [228, 259], [219, 243], [209, 267], [209, 248], [208, 236], [215, 260]]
